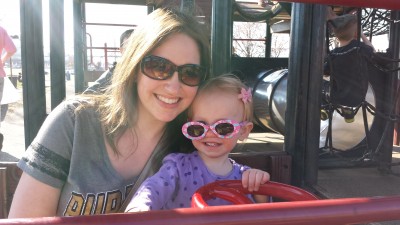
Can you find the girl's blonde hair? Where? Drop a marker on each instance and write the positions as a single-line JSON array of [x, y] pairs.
[[117, 108], [231, 84]]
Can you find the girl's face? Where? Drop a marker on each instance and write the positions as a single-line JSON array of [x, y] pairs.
[[211, 107], [164, 100]]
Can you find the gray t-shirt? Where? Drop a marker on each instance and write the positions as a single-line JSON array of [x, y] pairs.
[[69, 153]]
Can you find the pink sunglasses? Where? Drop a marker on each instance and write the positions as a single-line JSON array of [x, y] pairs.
[[223, 129]]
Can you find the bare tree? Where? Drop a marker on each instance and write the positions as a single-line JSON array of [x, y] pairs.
[[280, 45], [376, 20], [249, 39]]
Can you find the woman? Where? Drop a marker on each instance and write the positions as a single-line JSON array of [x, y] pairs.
[[91, 150]]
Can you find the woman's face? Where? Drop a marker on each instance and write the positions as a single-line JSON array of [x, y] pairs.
[[164, 100]]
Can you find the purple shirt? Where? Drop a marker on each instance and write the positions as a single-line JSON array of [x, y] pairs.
[[176, 181]]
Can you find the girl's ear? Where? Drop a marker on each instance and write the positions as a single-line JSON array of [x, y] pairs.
[[245, 131]]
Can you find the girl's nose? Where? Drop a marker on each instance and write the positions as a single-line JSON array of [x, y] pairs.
[[210, 133]]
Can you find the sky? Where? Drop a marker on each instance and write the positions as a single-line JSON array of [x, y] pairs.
[[96, 13], [9, 16]]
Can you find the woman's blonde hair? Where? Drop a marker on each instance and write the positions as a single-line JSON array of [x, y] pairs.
[[117, 108], [231, 84]]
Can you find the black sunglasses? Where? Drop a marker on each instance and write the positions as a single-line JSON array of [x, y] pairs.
[[159, 68]]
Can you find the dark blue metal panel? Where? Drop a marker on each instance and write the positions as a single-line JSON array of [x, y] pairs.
[[79, 43], [303, 91], [57, 52], [221, 36], [34, 96]]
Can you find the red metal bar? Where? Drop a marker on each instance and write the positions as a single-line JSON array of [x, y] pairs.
[[248, 39], [315, 212], [11, 66], [384, 4], [102, 48], [105, 57], [110, 24], [90, 44]]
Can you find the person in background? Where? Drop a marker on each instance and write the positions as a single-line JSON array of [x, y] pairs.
[[345, 28], [347, 64], [104, 80], [20, 77], [67, 75], [90, 151], [220, 115], [6, 45]]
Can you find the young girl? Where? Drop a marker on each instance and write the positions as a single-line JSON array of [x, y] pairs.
[[220, 115]]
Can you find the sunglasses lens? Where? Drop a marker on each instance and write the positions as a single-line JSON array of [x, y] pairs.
[[195, 130], [224, 128], [156, 68], [159, 68], [192, 75]]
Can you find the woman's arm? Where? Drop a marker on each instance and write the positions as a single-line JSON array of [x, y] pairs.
[[33, 198]]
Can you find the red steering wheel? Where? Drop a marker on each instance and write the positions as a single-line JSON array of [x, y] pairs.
[[233, 191]]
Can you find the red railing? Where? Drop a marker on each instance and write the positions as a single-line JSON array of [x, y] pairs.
[[384, 4], [315, 212]]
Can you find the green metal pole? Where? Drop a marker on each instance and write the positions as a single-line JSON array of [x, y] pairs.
[[221, 36]]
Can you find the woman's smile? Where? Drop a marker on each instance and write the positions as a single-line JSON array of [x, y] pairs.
[[167, 100]]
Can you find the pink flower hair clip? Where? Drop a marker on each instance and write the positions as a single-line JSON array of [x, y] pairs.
[[245, 95]]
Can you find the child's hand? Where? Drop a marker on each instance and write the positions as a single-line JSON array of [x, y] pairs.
[[253, 178]]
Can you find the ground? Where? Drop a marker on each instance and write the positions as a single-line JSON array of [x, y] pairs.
[[13, 125]]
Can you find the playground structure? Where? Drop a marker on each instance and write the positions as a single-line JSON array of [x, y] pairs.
[[302, 138]]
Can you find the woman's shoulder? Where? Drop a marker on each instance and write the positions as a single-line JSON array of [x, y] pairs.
[[77, 104], [78, 101], [71, 103], [72, 109]]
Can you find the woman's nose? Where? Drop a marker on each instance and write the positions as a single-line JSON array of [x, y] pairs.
[[173, 84]]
